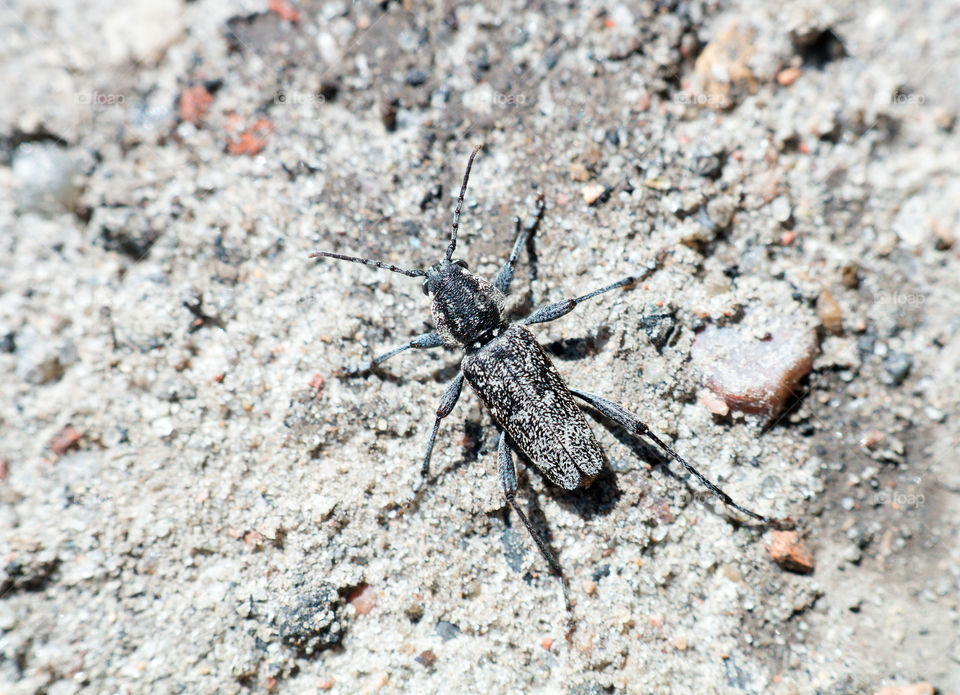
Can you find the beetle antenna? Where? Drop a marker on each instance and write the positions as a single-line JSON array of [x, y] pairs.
[[780, 524], [367, 261], [456, 213]]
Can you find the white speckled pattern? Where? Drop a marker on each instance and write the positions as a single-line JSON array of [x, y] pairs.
[[526, 395]]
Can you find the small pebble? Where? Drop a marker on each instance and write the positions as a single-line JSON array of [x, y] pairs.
[[284, 10], [378, 681], [593, 192], [852, 554], [163, 427], [41, 361], [944, 238], [64, 440], [446, 630], [720, 211], [194, 103], [46, 178], [850, 276], [898, 366], [790, 552], [388, 113], [787, 77], [415, 78], [426, 658], [713, 403], [658, 184], [8, 617], [944, 119], [363, 599], [781, 210], [923, 688], [830, 313], [578, 172], [722, 71]]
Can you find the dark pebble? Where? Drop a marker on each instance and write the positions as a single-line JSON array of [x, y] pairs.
[[601, 572], [388, 114], [659, 328], [426, 658], [415, 78], [898, 366], [313, 624]]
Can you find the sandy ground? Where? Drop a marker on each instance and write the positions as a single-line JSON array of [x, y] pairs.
[[192, 501]]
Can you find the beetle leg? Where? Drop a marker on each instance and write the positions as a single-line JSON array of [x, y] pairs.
[[449, 400], [524, 229], [427, 340], [551, 312], [633, 424], [508, 481]]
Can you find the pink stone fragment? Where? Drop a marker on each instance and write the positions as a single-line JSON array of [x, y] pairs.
[[790, 552], [921, 688], [755, 369], [713, 403]]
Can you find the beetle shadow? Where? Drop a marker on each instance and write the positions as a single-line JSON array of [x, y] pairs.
[[571, 349], [597, 499]]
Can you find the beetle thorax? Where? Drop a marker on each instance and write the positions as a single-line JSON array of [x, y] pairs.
[[466, 308]]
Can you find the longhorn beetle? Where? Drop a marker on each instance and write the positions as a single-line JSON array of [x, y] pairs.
[[513, 376]]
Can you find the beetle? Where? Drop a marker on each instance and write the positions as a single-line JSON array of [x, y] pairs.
[[511, 373]]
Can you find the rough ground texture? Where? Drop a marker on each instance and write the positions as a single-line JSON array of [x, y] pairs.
[[192, 501]]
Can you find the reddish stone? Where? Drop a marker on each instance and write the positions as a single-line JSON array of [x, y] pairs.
[[194, 102], [790, 552], [64, 440], [755, 370]]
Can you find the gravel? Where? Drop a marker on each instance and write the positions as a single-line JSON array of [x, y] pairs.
[[192, 499]]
